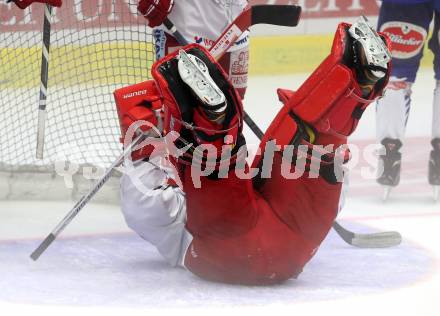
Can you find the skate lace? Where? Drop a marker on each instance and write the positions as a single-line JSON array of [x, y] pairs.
[[352, 94]]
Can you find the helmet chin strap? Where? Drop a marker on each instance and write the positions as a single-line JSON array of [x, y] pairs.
[[195, 74]]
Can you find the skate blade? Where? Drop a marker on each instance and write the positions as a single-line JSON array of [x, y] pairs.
[[436, 193], [386, 193]]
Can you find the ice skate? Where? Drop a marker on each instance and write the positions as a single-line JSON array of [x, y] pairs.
[[370, 55], [390, 165], [434, 168], [195, 74], [372, 52]]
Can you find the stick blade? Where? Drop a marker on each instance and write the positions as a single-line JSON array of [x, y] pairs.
[[378, 240], [42, 247], [282, 15], [375, 240]]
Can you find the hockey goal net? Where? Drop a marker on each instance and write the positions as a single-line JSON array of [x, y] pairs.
[[96, 46]]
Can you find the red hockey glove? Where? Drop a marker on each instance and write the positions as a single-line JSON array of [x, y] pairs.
[[136, 103], [155, 11], [23, 4]]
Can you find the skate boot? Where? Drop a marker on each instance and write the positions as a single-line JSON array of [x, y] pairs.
[[370, 55], [390, 163], [195, 74], [434, 167]]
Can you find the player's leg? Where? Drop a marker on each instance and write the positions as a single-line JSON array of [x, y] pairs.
[[210, 128], [308, 201], [240, 237], [222, 209], [152, 204], [434, 161], [237, 238], [407, 26]]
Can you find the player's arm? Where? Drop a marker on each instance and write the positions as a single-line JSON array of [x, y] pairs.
[[152, 204], [23, 4], [155, 209]]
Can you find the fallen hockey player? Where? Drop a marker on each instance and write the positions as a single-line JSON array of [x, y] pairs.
[[228, 221]]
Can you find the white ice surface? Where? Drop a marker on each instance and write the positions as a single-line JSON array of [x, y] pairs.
[[99, 267]]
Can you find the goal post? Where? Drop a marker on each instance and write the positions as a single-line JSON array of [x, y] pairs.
[[96, 47]]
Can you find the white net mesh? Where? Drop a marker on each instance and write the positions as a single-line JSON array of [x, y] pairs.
[[96, 47]]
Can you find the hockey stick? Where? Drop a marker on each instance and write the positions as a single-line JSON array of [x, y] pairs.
[[374, 240], [282, 15], [42, 114], [84, 200]]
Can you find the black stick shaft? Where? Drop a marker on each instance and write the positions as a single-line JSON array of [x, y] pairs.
[[253, 126], [44, 81], [177, 35]]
